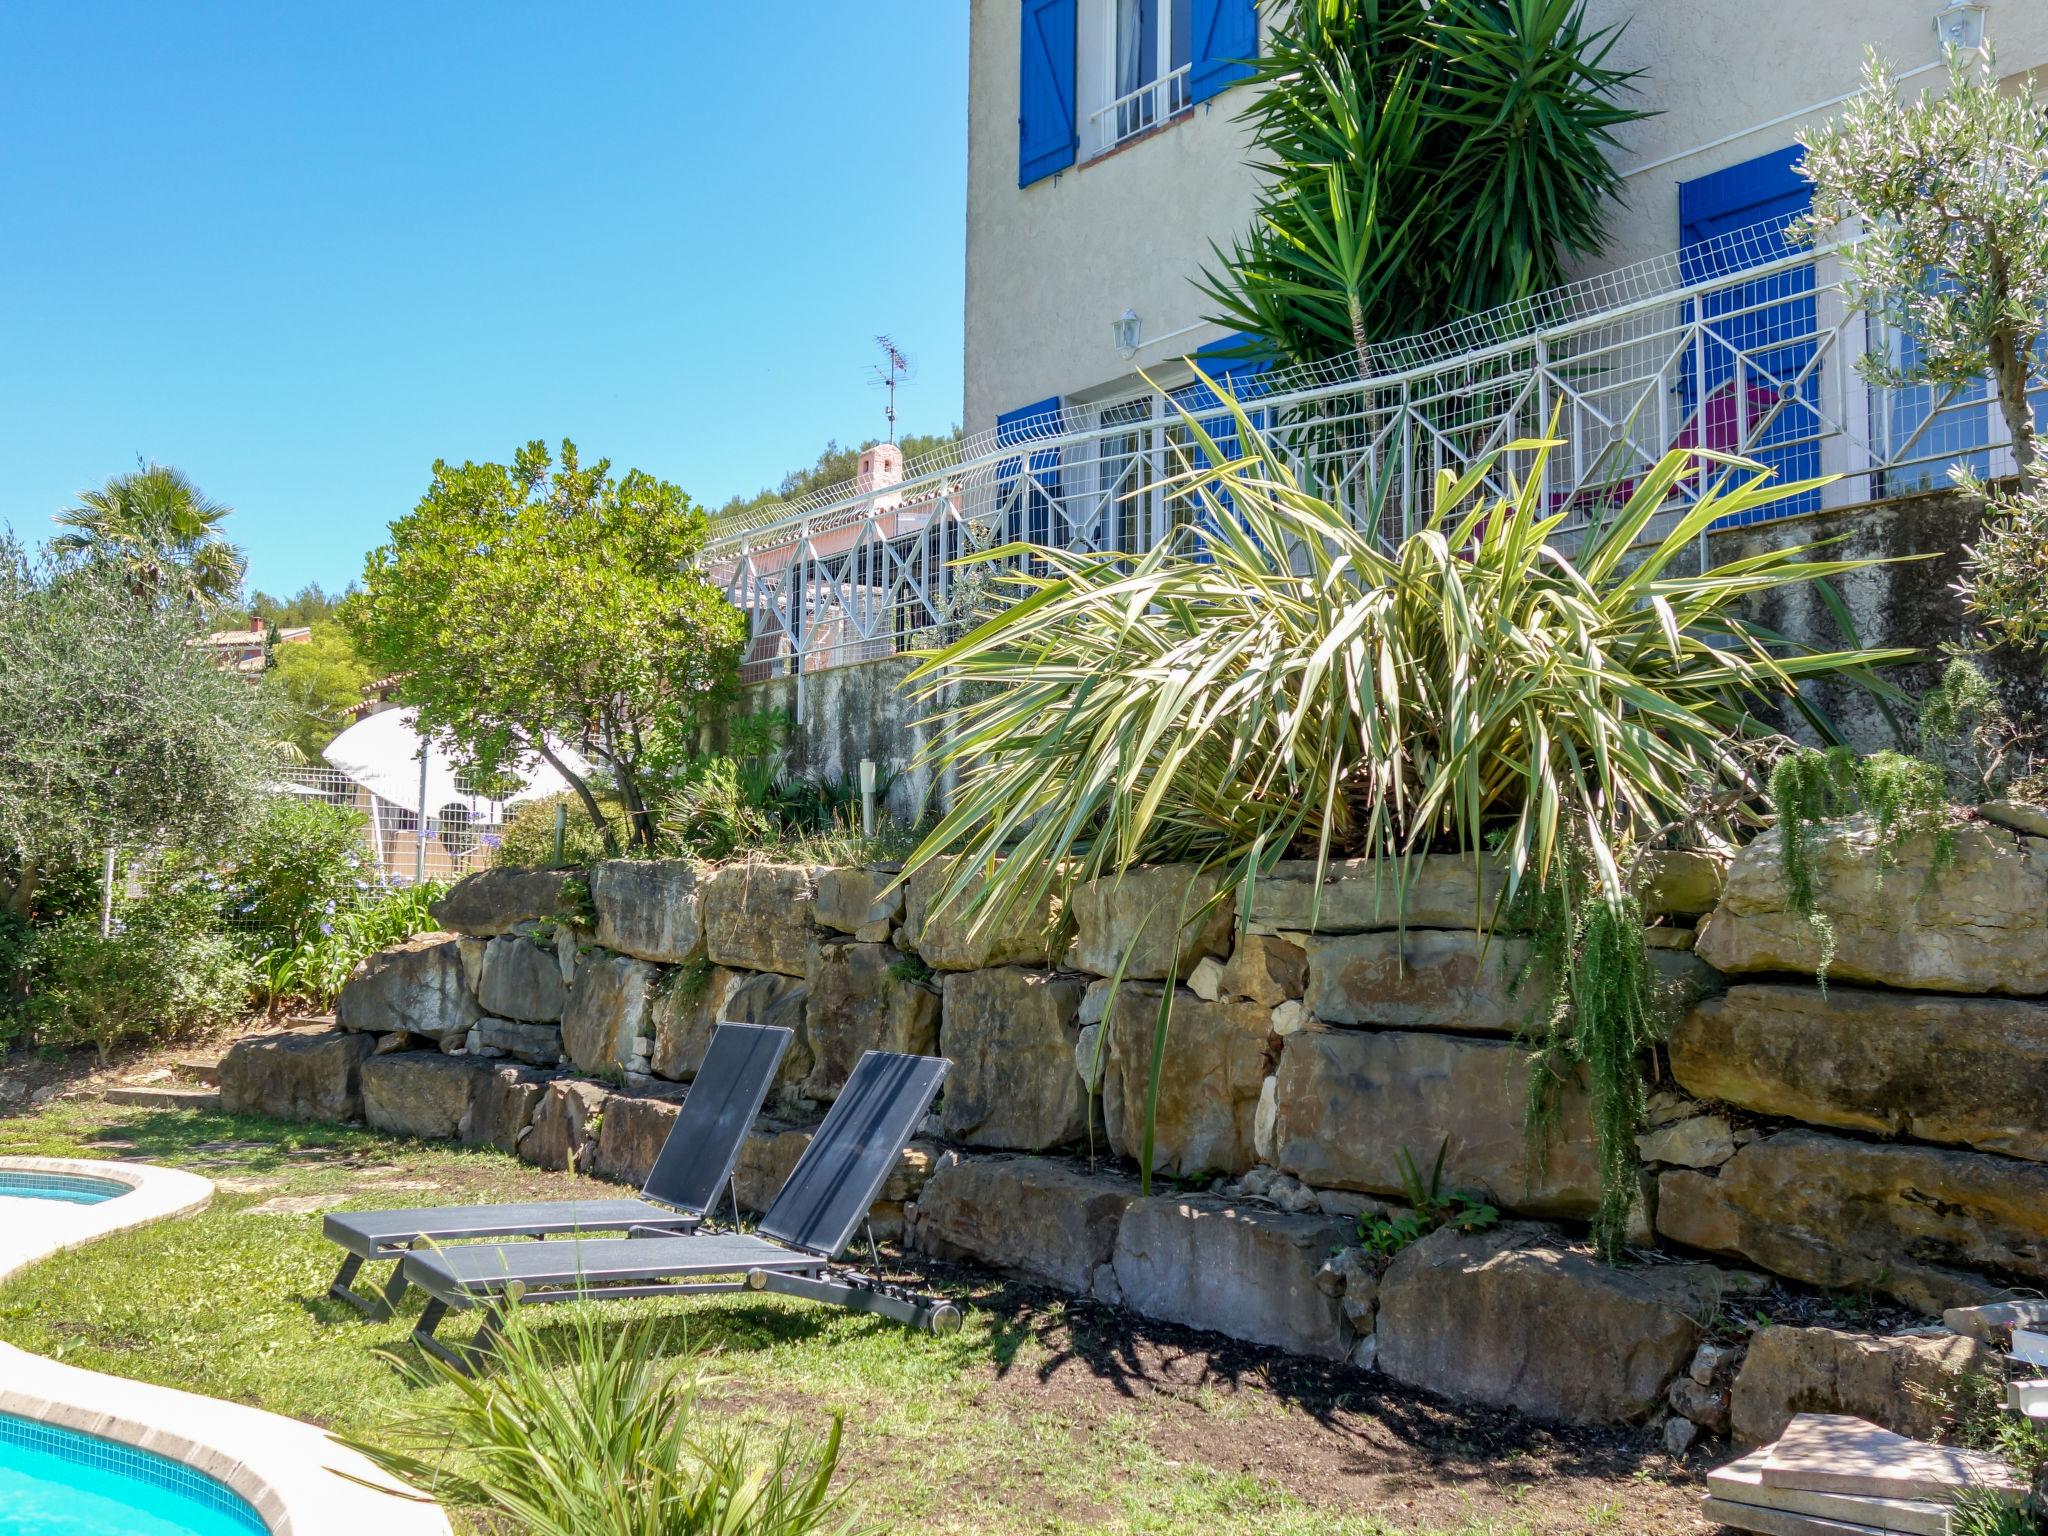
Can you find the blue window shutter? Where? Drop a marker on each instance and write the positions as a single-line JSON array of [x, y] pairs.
[[1027, 509], [1046, 136], [1226, 37], [1768, 189]]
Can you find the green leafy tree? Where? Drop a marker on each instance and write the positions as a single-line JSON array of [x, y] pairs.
[[315, 683], [159, 533], [532, 603], [114, 732], [1953, 195], [310, 605], [1420, 160]]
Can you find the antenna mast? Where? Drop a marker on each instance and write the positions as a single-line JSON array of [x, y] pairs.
[[890, 372]]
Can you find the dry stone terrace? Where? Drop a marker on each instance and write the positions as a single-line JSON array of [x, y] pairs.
[[1886, 1136]]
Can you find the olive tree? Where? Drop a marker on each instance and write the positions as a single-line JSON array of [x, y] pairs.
[[535, 603], [1952, 191], [115, 731]]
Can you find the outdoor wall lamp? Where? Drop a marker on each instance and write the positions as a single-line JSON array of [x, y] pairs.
[[1124, 332], [1960, 24]]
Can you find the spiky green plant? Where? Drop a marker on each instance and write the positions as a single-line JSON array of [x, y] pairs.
[[1281, 684]]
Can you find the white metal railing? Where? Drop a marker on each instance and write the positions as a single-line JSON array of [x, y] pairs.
[[455, 840], [1135, 112], [1739, 345]]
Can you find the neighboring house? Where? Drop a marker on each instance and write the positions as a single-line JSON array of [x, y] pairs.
[[247, 651]]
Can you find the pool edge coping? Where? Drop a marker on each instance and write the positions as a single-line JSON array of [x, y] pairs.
[[298, 1478]]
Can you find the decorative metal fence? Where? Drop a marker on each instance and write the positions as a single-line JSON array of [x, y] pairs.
[[1739, 345], [454, 841]]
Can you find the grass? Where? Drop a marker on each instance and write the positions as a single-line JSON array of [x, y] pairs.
[[1037, 1417]]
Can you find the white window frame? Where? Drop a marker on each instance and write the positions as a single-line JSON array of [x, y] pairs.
[[1109, 120]]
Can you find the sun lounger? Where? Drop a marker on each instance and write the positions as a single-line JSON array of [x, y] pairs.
[[693, 1171], [794, 1251]]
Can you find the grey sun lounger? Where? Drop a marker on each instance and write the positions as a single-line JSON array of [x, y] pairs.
[[695, 1167], [794, 1250]]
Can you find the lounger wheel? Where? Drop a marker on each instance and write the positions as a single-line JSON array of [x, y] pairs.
[[757, 1279], [945, 1319]]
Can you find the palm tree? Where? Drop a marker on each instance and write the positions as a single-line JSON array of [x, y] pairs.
[[160, 532]]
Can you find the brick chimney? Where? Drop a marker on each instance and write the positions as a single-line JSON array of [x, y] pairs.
[[880, 467]]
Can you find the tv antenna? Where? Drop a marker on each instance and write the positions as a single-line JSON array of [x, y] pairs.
[[895, 368]]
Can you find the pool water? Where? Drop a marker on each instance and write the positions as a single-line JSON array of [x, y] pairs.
[[59, 1482], [72, 1188]]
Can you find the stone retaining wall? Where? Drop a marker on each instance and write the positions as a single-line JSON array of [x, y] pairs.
[[1886, 1133]]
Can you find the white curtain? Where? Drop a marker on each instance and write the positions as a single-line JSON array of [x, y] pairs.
[[1130, 35]]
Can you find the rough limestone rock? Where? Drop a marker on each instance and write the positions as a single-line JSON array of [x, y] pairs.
[[1703, 1141], [1981, 925], [493, 901], [1512, 1318], [631, 1136], [1967, 1070], [1426, 978], [415, 985], [522, 980], [608, 1012], [687, 1006], [1928, 1225], [1215, 1061], [501, 1107], [867, 903], [647, 908], [1010, 1034], [1129, 921], [472, 951], [1349, 1104], [1905, 1383], [2016, 816], [1244, 1271], [858, 1004], [538, 1044], [1046, 1221], [418, 1093], [1441, 890], [1683, 882], [757, 917], [949, 940], [298, 1075], [563, 1137], [1266, 969]]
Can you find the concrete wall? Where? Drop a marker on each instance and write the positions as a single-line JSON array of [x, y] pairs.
[[846, 713], [1049, 266]]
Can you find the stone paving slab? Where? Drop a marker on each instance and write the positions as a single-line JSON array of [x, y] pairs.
[[1834, 1453], [1742, 1482]]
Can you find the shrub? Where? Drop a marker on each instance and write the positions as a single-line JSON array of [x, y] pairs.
[[606, 1441], [304, 862], [528, 839], [164, 972], [314, 969]]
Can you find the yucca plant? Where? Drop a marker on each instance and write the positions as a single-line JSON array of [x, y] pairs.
[[1281, 684], [589, 1431]]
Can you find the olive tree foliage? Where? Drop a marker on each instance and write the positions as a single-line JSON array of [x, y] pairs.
[[114, 731], [536, 603], [1952, 191]]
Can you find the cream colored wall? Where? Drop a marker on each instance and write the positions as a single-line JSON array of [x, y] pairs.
[[1049, 266]]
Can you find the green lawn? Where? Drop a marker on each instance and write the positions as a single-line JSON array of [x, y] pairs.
[[1036, 1417]]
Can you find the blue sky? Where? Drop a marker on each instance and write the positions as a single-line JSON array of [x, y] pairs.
[[303, 250]]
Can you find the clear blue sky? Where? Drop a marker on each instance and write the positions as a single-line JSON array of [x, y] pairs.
[[303, 250]]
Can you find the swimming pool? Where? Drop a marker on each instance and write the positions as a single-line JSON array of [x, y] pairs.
[[59, 1482], [72, 1188]]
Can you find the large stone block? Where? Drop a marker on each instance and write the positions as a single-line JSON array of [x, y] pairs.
[[418, 1093], [537, 1044], [502, 1107], [1439, 890], [1425, 978], [493, 901], [1907, 1384], [299, 1075], [1348, 1104], [1028, 1216], [563, 1136], [866, 903], [1513, 1318], [1216, 1057], [647, 908], [1132, 922], [1243, 1271], [757, 917], [1980, 925], [608, 1012], [1931, 1226], [1683, 882], [1266, 969], [417, 985], [1967, 1070], [631, 1136], [858, 1003], [1010, 1034], [686, 1010], [949, 940], [522, 979]]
